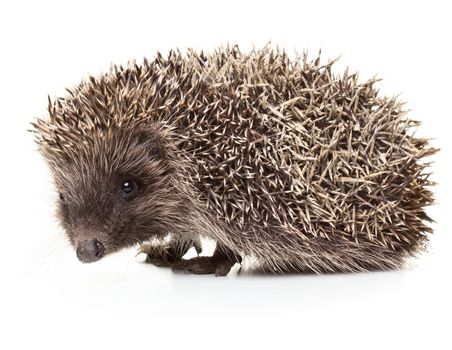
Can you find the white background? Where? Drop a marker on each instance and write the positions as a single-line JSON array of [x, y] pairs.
[[49, 300]]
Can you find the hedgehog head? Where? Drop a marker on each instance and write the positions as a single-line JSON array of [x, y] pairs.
[[112, 176]]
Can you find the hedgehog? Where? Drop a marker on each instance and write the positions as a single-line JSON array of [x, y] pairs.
[[274, 158]]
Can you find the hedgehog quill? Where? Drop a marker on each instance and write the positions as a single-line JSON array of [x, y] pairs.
[[274, 158]]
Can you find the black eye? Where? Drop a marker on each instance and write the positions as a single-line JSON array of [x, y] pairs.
[[60, 195], [129, 187]]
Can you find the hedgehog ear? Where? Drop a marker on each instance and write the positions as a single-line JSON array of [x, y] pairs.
[[153, 141]]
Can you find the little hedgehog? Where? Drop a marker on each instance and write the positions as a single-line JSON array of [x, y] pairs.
[[273, 158]]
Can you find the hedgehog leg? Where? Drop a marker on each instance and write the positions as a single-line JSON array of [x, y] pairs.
[[168, 253], [220, 263]]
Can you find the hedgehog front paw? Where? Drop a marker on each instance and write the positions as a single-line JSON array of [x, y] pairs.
[[167, 254], [159, 255], [206, 265]]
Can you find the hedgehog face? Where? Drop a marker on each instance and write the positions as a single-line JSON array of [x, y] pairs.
[[113, 194]]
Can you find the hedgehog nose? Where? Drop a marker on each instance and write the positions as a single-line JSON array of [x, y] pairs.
[[90, 251]]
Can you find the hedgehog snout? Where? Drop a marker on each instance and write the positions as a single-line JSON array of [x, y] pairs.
[[90, 250]]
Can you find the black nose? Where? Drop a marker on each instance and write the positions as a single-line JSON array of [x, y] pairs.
[[90, 251]]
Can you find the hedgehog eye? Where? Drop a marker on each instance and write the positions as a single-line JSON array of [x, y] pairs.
[[60, 195], [128, 187]]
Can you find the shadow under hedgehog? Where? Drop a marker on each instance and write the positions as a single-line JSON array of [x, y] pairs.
[[274, 158]]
